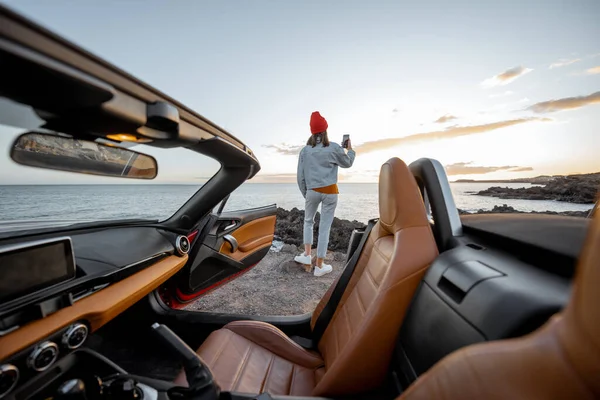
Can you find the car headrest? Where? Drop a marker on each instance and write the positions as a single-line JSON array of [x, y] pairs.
[[580, 325], [400, 202]]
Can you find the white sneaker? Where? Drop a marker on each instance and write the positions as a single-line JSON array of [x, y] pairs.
[[325, 269], [303, 259]]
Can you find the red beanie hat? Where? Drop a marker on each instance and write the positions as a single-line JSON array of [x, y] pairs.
[[318, 124]]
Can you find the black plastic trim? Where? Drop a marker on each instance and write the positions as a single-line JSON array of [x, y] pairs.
[[25, 69], [469, 296], [550, 242], [433, 183], [40, 382]]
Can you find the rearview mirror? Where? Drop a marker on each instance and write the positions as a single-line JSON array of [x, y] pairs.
[[48, 151]]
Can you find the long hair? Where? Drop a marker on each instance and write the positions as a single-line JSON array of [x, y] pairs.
[[317, 138]]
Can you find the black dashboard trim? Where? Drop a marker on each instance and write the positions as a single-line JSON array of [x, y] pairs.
[[86, 227]]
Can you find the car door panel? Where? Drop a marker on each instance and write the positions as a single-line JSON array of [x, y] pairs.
[[235, 242], [250, 237]]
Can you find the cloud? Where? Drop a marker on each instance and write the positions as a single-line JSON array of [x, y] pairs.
[[568, 103], [445, 118], [504, 94], [521, 169], [285, 149], [506, 77], [593, 71], [448, 133], [466, 168], [563, 62]]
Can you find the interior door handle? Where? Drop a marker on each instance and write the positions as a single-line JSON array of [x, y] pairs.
[[232, 242], [229, 226]]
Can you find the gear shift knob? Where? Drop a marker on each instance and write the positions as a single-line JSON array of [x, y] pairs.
[[73, 389]]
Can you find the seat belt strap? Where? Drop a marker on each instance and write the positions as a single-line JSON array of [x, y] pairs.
[[329, 309]]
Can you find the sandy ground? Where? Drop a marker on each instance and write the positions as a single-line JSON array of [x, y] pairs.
[[275, 286]]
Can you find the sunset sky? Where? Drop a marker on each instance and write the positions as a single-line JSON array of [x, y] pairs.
[[491, 89]]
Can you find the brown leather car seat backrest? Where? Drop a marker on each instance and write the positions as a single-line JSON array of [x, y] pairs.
[[561, 360], [358, 342]]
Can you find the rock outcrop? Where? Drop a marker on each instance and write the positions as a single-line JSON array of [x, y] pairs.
[[290, 226], [581, 189]]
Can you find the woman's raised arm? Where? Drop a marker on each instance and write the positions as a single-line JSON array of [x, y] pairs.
[[342, 159]]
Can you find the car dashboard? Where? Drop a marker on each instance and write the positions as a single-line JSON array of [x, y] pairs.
[[41, 330]]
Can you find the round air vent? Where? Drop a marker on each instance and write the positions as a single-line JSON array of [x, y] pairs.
[[9, 376], [182, 245], [42, 357], [75, 336]]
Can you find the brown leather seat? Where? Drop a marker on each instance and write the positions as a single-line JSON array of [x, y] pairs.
[[356, 347], [559, 361]]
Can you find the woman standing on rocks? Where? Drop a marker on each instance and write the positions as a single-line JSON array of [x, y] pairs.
[[317, 179]]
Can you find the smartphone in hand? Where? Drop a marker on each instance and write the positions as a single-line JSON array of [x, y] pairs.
[[345, 141]]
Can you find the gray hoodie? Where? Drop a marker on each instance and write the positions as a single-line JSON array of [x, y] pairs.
[[318, 166]]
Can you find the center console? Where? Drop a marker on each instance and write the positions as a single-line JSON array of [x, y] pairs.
[[84, 374], [87, 375]]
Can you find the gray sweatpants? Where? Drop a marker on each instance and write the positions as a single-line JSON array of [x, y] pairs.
[[328, 203]]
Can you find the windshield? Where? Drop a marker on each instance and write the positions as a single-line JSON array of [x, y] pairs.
[[33, 198]]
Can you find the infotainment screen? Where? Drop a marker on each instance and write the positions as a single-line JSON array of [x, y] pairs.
[[32, 266]]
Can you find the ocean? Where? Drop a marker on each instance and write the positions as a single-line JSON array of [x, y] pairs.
[[48, 204]]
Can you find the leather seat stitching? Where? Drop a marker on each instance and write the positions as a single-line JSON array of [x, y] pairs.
[[336, 342], [371, 279], [264, 384], [417, 272], [221, 348], [384, 256], [290, 388], [242, 367], [347, 317], [359, 300]]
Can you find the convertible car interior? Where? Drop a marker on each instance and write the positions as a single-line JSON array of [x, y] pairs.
[[431, 305]]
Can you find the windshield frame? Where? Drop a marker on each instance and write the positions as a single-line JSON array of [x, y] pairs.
[[119, 100]]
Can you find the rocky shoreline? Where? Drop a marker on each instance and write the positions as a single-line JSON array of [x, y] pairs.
[[290, 225], [506, 209], [580, 189]]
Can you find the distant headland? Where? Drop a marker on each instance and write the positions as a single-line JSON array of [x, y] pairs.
[[579, 188]]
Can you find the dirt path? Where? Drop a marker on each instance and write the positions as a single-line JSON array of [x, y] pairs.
[[276, 286]]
